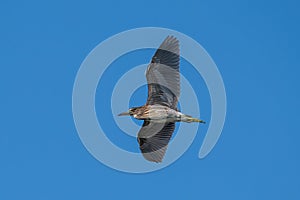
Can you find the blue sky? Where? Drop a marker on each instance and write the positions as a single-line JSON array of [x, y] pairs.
[[255, 45]]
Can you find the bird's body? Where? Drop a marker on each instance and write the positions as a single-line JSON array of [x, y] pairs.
[[160, 112], [156, 113]]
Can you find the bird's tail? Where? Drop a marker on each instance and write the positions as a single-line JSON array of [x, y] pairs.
[[189, 119]]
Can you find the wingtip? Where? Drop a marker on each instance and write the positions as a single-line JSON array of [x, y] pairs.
[[171, 44], [152, 159], [172, 39]]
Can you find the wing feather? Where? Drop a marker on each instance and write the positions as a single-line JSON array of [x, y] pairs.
[[163, 74], [153, 139]]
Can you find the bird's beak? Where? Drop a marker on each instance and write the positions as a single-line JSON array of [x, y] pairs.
[[124, 114]]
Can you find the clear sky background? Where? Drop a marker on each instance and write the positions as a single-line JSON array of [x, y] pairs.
[[255, 45]]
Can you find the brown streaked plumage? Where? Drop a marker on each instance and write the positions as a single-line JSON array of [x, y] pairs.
[[160, 111]]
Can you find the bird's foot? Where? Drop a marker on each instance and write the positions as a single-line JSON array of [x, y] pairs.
[[189, 119]]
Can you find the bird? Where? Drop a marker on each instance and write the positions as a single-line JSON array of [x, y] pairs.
[[160, 113]]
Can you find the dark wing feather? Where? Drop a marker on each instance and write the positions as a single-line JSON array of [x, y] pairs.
[[153, 139], [163, 74]]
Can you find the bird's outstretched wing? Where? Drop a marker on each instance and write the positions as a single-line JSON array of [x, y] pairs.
[[153, 139], [163, 76]]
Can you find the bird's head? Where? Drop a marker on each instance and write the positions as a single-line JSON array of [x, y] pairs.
[[130, 112]]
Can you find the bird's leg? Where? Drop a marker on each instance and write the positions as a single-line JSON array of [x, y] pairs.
[[189, 119]]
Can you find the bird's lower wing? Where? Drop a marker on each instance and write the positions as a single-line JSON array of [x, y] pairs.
[[153, 139]]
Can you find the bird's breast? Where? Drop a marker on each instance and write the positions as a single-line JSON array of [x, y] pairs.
[[159, 112]]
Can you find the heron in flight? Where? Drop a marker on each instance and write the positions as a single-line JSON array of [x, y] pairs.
[[160, 113]]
